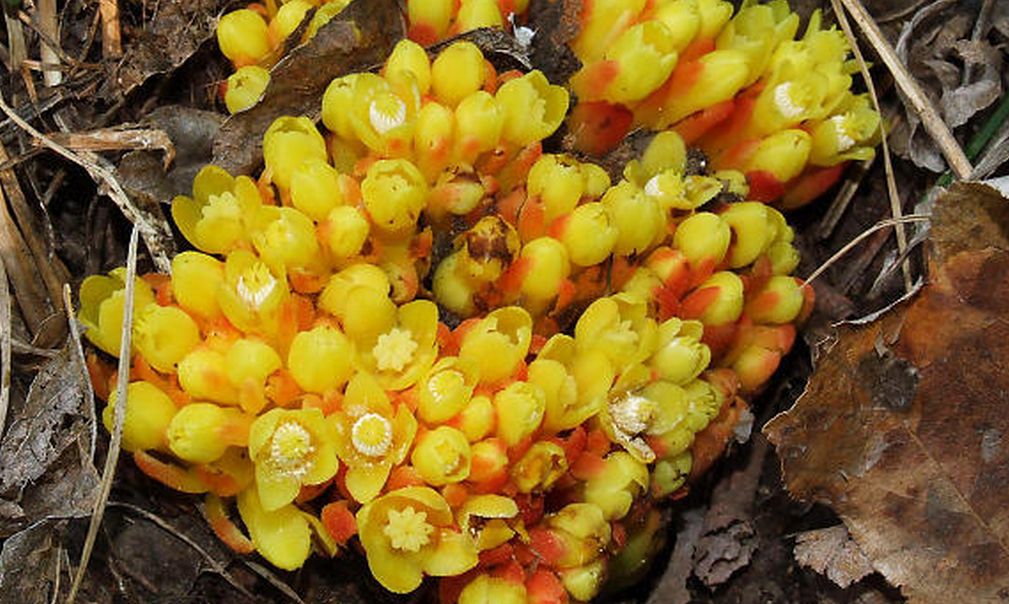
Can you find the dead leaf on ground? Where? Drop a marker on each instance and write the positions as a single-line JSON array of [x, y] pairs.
[[166, 41], [47, 470], [903, 430], [961, 75], [554, 24], [30, 564], [831, 551], [361, 36]]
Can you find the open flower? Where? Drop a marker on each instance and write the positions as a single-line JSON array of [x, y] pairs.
[[371, 436], [216, 218], [619, 327], [532, 108], [252, 295], [102, 303], [291, 448], [680, 355], [283, 535], [575, 383], [409, 533], [498, 343], [484, 518], [399, 352], [622, 479]]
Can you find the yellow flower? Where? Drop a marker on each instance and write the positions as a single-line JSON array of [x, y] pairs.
[[291, 448], [196, 278], [288, 143], [680, 355], [532, 108], [409, 533], [372, 436], [619, 327], [164, 335], [245, 87], [757, 30], [251, 296], [216, 218], [401, 350], [622, 480], [630, 413], [575, 384], [445, 390], [284, 535], [636, 64], [148, 412], [498, 343], [484, 518], [851, 134], [539, 467], [102, 303], [442, 456]]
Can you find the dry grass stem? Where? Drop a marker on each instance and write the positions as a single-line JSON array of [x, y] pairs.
[[119, 412], [908, 85], [882, 224], [111, 139], [5, 348], [47, 17], [112, 43], [78, 353], [891, 182]]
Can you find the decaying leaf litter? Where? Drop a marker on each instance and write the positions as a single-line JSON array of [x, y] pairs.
[[909, 401]]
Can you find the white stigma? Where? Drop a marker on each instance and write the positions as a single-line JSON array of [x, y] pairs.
[[844, 142], [783, 101], [383, 121], [394, 350], [256, 285], [372, 435]]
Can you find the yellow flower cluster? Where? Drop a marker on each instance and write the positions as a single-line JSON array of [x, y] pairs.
[[253, 39], [434, 20], [368, 344], [778, 109]]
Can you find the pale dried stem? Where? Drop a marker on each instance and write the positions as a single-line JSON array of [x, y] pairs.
[[111, 139], [46, 14], [119, 414], [15, 42], [82, 365], [891, 182], [5, 348], [112, 45], [908, 85], [882, 224]]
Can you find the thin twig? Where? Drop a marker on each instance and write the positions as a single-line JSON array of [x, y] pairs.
[[78, 354], [119, 412], [284, 588], [46, 14], [5, 347], [891, 182], [112, 46], [908, 85], [882, 224], [154, 236], [215, 565]]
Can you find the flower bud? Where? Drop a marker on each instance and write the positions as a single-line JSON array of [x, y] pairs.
[[315, 189], [548, 268], [558, 182], [433, 136], [635, 65], [783, 155], [163, 335], [285, 239], [717, 301], [336, 294], [345, 231], [485, 589], [320, 359], [202, 432], [196, 278], [457, 72], [778, 301], [429, 19], [394, 193], [250, 361], [637, 217], [752, 231], [671, 474], [498, 343], [323, 15], [243, 37], [474, 14], [203, 375], [289, 16], [532, 109], [614, 489], [682, 18], [103, 301], [289, 142], [703, 238], [148, 413], [520, 407], [588, 234], [442, 456], [477, 418], [245, 88], [336, 105], [409, 57], [602, 25], [680, 356], [665, 152], [490, 460], [478, 124], [715, 77]]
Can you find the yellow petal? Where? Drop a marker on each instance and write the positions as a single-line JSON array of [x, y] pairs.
[[275, 489], [455, 554], [365, 482], [282, 536]]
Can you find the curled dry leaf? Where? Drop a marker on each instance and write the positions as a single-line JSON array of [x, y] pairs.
[[362, 35], [830, 551], [30, 563], [163, 44], [903, 430], [47, 470]]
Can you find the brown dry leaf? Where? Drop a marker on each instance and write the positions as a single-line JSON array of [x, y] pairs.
[[361, 36], [831, 551], [555, 23], [170, 37], [903, 428], [30, 564], [47, 470]]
